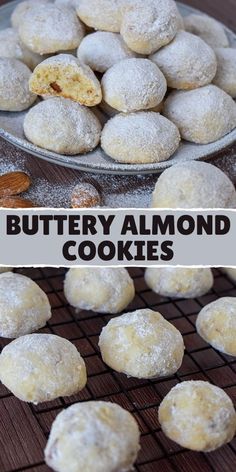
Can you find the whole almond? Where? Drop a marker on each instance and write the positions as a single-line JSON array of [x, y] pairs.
[[16, 202], [14, 183], [85, 195]]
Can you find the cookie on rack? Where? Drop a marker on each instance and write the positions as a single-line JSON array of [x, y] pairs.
[[187, 62], [226, 70], [66, 76], [140, 138], [24, 307], [47, 29], [142, 344], [203, 115], [104, 15], [62, 126], [216, 324], [207, 28], [14, 93], [105, 290], [198, 416], [133, 85], [42, 367], [179, 282], [194, 184], [105, 438], [12, 47], [148, 26], [102, 50]]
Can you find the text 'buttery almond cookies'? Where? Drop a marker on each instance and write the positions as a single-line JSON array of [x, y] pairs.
[[66, 76]]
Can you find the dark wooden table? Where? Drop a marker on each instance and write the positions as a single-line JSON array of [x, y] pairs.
[[52, 184]]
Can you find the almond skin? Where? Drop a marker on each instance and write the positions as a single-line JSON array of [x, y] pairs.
[[16, 202], [14, 183]]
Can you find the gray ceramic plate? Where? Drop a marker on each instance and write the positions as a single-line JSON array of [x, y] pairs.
[[11, 129]]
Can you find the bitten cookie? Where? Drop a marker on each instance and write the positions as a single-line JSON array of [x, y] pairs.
[[142, 344], [198, 416], [24, 307], [226, 70], [203, 115], [187, 62], [66, 76], [42, 367], [14, 85], [133, 85], [104, 15], [179, 282], [105, 438], [47, 29], [148, 26], [139, 138], [62, 126], [102, 50], [207, 28], [216, 324], [194, 185]]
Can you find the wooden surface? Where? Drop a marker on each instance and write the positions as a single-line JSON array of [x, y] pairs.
[[52, 177], [24, 428]]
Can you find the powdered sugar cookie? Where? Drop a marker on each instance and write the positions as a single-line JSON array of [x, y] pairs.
[[14, 94], [46, 29], [109, 111], [133, 85], [62, 126], [105, 438], [216, 324], [139, 138], [102, 50], [207, 28], [22, 8], [194, 185], [66, 3], [187, 62], [102, 15], [42, 367], [179, 282], [226, 70], [142, 344], [31, 311], [11, 46], [66, 76], [198, 416], [203, 115], [147, 26], [106, 290]]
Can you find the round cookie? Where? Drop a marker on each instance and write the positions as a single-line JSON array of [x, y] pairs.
[[12, 47], [140, 138], [194, 185], [231, 272], [148, 26], [142, 344], [105, 290], [216, 324], [102, 50], [226, 71], [187, 62], [179, 282], [24, 307], [207, 28], [203, 115], [66, 76], [42, 367], [22, 8], [14, 94], [62, 126], [198, 416], [105, 438], [5, 269], [47, 28], [102, 15], [133, 85]]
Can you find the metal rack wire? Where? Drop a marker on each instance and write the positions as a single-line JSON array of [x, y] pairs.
[[24, 428]]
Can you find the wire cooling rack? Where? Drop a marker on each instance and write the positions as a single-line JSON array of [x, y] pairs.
[[24, 428]]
